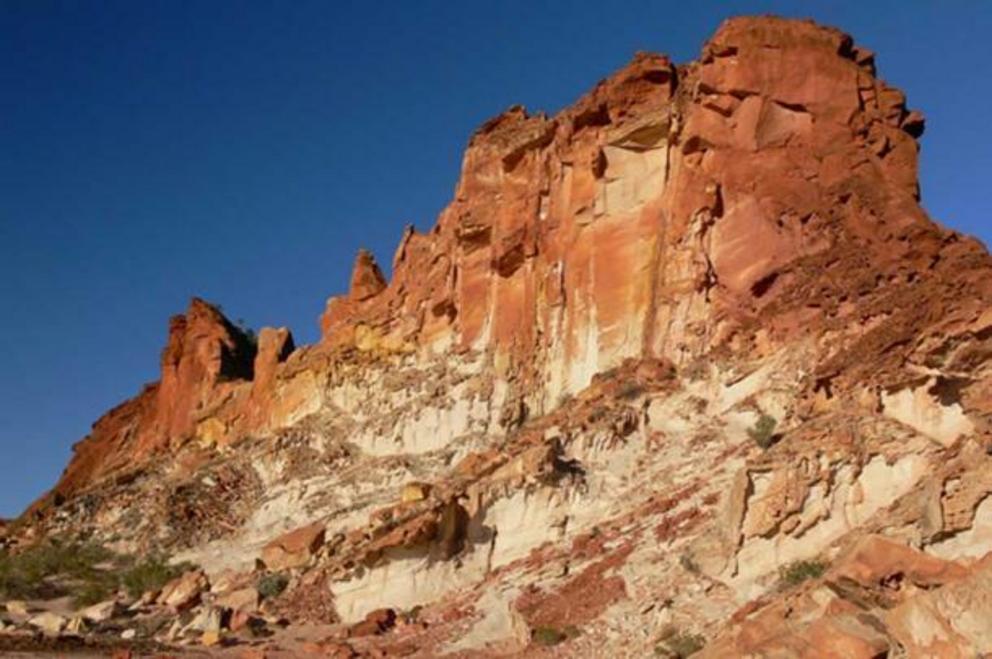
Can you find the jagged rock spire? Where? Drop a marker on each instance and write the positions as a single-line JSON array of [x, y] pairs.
[[367, 279]]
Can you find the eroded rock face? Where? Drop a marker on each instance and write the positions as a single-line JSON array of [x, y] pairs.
[[762, 195], [204, 349], [668, 211], [881, 595], [546, 417], [204, 359]]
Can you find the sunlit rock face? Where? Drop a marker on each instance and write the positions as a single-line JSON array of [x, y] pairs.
[[666, 213], [547, 417]]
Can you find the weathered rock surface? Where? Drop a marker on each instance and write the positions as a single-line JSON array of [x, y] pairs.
[[184, 592], [49, 623], [293, 549], [544, 428], [101, 612]]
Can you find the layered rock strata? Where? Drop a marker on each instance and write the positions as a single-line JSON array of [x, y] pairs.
[[546, 417]]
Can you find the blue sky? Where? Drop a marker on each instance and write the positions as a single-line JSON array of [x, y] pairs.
[[243, 151]]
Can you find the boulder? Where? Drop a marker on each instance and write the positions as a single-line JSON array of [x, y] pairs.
[[147, 599], [51, 624], [331, 648], [376, 622], [18, 608], [184, 592], [226, 581], [101, 612], [245, 599], [293, 549], [876, 560]]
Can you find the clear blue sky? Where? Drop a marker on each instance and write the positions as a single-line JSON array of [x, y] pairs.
[[243, 151]]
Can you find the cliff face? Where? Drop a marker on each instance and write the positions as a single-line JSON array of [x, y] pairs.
[[667, 213], [572, 356], [765, 193]]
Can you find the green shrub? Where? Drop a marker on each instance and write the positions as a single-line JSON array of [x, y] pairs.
[[49, 568], [763, 432], [13, 583], [272, 585], [94, 592], [548, 636], [86, 571], [151, 574], [795, 573], [680, 644]]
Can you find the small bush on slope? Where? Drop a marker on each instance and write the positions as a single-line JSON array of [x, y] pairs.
[[548, 636], [679, 644], [47, 569], [87, 571], [272, 585], [763, 432], [151, 574], [795, 573]]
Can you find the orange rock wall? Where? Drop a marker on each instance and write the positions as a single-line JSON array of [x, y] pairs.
[[659, 214], [763, 194]]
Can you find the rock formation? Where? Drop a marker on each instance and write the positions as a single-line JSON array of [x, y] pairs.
[[542, 429]]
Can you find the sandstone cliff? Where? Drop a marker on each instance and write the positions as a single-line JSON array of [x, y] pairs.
[[567, 372]]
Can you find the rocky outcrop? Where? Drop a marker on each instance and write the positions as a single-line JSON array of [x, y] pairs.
[[547, 426], [204, 358], [881, 597], [218, 382], [671, 212], [763, 195]]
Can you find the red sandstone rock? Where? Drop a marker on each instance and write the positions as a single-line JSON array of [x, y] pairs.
[[274, 347], [293, 549], [204, 349], [557, 220], [367, 279], [378, 621], [244, 599], [878, 561], [205, 356]]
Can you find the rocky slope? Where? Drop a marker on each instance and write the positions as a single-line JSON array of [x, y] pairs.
[[683, 367]]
